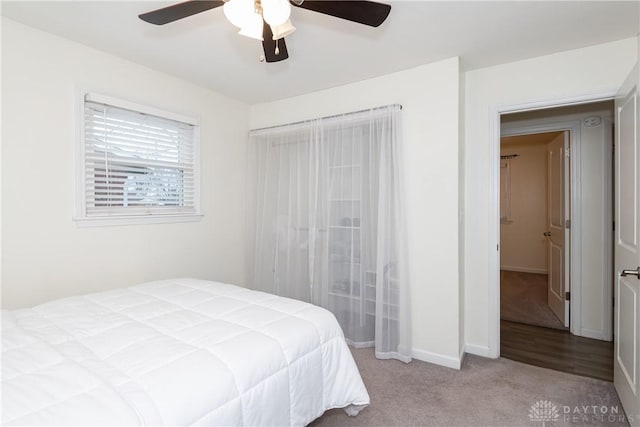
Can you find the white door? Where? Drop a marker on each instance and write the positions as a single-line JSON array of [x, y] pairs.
[[557, 209], [627, 251]]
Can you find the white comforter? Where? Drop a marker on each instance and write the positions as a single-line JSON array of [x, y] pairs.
[[175, 352]]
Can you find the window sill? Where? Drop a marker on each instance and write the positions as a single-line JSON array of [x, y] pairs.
[[107, 221]]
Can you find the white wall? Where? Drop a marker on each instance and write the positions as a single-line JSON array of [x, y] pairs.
[[44, 254], [590, 71], [430, 98], [596, 249], [523, 246]]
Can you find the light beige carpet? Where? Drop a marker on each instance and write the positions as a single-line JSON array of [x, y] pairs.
[[484, 392], [523, 298]]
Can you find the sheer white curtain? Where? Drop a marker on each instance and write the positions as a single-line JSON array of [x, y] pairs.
[[326, 224]]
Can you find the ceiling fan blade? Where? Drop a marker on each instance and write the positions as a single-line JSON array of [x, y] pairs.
[[363, 12], [179, 11], [269, 46]]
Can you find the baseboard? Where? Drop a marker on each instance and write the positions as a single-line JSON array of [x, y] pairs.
[[438, 359], [478, 350], [524, 269], [593, 334]]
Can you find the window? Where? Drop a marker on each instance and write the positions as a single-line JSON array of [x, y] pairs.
[[137, 164]]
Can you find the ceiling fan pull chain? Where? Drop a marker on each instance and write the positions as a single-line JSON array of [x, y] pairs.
[[277, 48]]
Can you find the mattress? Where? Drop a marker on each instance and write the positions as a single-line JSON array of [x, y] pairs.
[[175, 352]]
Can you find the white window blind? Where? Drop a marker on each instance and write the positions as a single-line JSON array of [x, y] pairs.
[[137, 164]]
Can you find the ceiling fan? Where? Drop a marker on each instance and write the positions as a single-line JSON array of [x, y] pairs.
[[268, 20]]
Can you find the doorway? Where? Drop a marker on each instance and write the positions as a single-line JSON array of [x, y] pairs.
[[555, 238], [528, 292]]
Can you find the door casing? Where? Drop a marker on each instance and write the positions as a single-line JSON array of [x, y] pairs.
[[571, 268]]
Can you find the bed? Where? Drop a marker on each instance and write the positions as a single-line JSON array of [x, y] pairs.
[[175, 352]]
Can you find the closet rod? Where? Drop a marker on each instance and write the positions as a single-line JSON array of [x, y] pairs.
[[327, 117]]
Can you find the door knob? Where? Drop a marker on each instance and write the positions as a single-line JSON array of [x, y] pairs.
[[547, 233], [635, 272]]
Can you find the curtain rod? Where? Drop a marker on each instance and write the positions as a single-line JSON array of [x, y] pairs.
[[327, 117]]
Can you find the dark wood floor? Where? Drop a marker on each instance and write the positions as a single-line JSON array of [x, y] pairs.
[[556, 349]]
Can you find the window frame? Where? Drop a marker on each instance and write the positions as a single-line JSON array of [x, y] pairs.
[[80, 217]]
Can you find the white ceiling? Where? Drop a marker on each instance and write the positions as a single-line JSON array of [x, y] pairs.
[[326, 51]]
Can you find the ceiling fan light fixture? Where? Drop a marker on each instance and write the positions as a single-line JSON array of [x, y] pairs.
[[238, 11], [252, 27], [282, 30], [276, 12]]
